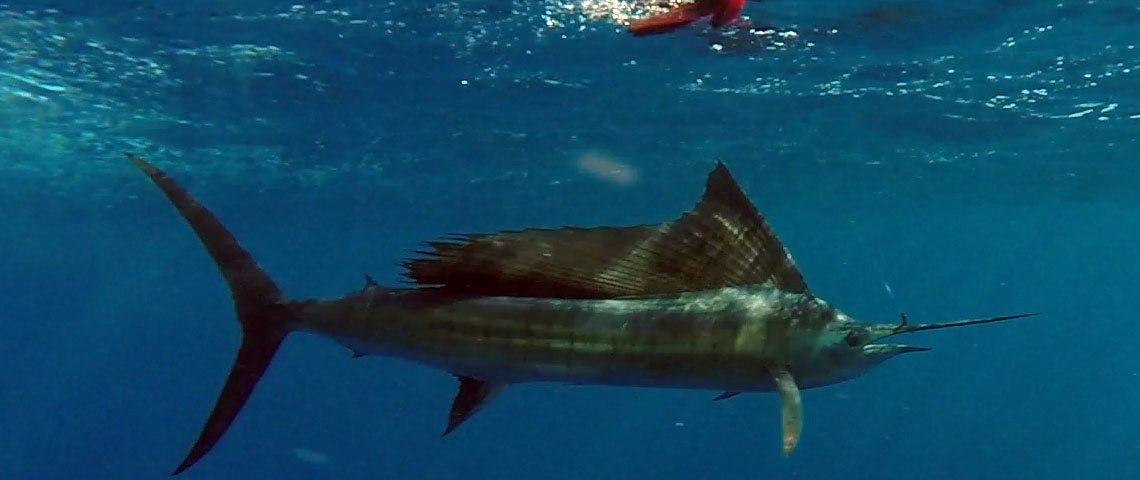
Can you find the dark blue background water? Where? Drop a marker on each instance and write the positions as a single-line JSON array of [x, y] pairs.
[[944, 154]]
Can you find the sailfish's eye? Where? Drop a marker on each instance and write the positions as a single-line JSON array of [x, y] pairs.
[[855, 337]]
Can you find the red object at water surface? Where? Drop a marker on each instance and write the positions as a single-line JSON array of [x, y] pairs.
[[723, 12]]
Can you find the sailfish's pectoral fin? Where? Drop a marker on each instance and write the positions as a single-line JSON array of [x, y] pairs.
[[727, 394], [791, 408], [472, 395]]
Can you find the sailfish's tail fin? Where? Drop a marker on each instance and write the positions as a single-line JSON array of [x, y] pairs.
[[257, 301]]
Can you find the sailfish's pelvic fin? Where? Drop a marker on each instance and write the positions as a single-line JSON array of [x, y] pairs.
[[791, 408], [257, 301], [472, 395]]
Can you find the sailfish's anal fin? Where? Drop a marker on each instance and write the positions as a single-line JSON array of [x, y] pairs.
[[471, 396]]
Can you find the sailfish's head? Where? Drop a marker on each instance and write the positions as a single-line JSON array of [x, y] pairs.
[[849, 349]]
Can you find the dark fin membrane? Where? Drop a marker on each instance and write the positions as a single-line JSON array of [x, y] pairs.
[[257, 301], [726, 229], [726, 395], [722, 242], [472, 395], [569, 262]]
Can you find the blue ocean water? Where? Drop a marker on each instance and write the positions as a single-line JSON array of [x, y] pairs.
[[947, 160]]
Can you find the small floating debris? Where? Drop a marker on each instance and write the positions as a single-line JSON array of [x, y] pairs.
[[607, 169], [310, 456]]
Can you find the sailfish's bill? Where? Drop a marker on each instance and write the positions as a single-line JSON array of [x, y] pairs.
[[906, 328]]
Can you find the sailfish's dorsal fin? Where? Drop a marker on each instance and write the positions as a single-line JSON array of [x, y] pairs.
[[722, 242], [743, 248]]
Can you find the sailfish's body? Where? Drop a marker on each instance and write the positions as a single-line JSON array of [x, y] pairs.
[[709, 301], [706, 340]]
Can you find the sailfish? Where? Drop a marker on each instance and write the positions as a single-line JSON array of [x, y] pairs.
[[711, 300]]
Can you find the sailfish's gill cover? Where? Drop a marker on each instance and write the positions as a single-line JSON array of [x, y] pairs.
[[722, 242]]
